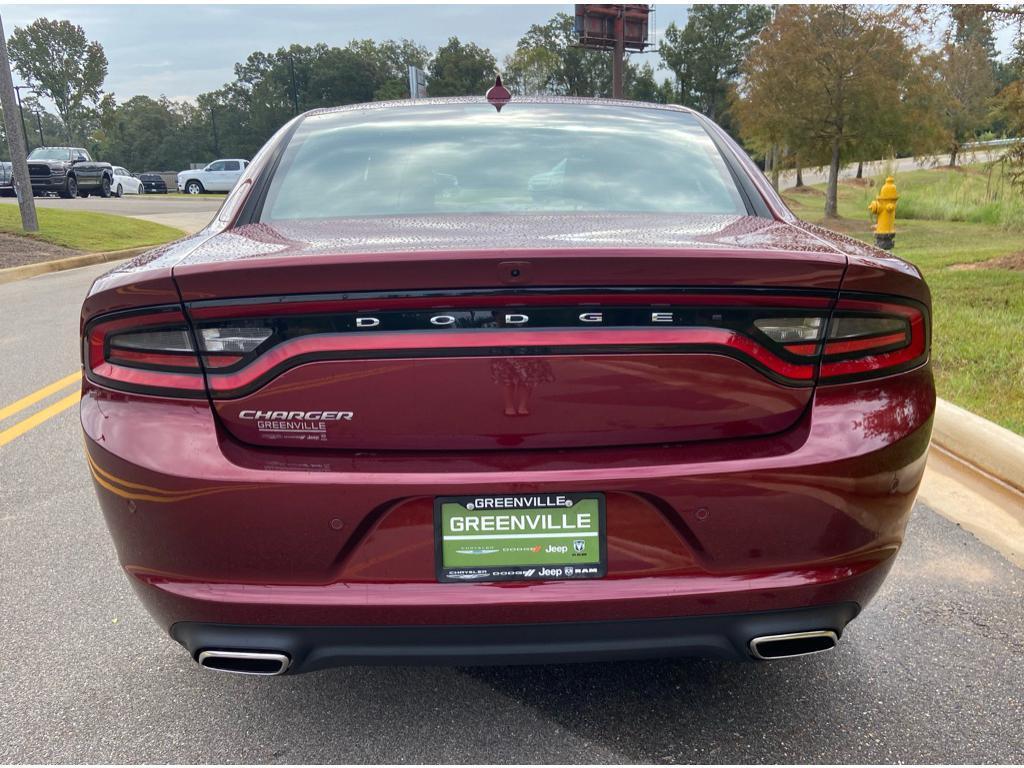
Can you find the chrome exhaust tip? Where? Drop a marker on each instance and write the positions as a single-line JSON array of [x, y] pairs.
[[245, 662], [768, 647]]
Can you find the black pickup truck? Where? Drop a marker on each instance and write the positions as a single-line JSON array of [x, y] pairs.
[[68, 171]]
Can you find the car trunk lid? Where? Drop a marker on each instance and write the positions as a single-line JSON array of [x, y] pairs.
[[468, 340]]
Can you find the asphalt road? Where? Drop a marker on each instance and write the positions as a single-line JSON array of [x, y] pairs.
[[897, 166], [187, 213], [933, 671]]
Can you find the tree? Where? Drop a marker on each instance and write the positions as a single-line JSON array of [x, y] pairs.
[[707, 54], [967, 89], [640, 84], [461, 69], [57, 59], [148, 134], [828, 81], [1010, 105], [547, 60]]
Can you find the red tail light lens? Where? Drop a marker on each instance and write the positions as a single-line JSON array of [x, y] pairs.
[[149, 352], [869, 338]]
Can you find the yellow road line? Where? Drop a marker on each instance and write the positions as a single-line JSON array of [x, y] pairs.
[[38, 418], [39, 394]]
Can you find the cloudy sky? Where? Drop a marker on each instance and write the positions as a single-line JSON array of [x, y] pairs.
[[183, 50]]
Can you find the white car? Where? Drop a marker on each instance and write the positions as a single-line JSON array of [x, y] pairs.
[[125, 183], [218, 176]]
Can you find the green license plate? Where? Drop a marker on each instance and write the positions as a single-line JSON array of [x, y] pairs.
[[520, 537]]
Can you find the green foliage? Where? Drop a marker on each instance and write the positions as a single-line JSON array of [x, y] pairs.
[[461, 69], [706, 55], [978, 194], [835, 83], [57, 59], [547, 60], [640, 84], [146, 134], [269, 88], [966, 87], [91, 232]]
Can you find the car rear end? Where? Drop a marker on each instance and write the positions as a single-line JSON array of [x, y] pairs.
[[453, 424], [153, 183]]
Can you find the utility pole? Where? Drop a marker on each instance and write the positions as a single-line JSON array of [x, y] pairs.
[[618, 55], [16, 141], [295, 92]]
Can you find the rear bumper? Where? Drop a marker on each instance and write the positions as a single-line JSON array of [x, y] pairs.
[[723, 636], [213, 532]]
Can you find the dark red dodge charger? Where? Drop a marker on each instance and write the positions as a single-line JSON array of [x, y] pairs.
[[560, 382]]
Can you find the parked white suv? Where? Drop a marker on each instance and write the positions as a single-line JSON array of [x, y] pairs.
[[218, 176]]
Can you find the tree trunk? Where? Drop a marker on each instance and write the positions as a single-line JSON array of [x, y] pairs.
[[832, 191], [775, 166], [952, 158], [799, 176], [860, 169], [16, 142]]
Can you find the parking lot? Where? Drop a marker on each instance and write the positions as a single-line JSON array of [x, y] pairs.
[[933, 671]]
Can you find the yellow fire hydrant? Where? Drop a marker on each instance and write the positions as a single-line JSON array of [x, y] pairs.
[[883, 208]]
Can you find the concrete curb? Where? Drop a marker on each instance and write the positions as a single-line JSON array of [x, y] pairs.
[[11, 274], [996, 451]]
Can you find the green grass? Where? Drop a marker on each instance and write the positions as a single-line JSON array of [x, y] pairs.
[[90, 232], [978, 314], [975, 194]]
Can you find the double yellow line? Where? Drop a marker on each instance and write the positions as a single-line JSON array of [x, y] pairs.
[[21, 427]]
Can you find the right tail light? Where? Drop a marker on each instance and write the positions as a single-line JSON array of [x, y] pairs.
[[867, 338]]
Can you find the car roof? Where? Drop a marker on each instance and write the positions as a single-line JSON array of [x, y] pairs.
[[441, 100]]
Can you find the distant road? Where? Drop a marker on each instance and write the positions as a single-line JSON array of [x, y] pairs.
[[820, 175], [189, 214]]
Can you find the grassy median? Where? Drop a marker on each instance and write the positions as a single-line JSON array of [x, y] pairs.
[[88, 232], [970, 248]]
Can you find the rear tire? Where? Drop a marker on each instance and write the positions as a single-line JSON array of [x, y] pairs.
[[105, 187], [119, 192], [194, 188]]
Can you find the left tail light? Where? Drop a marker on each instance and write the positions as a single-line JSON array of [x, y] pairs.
[[154, 351], [149, 352]]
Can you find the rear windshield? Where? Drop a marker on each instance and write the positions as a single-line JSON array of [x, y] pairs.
[[469, 158]]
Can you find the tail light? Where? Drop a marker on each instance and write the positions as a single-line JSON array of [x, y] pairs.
[[154, 352], [233, 348], [150, 352], [868, 338]]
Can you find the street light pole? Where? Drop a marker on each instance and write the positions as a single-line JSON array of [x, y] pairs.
[[16, 142], [39, 125], [21, 112], [213, 125]]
